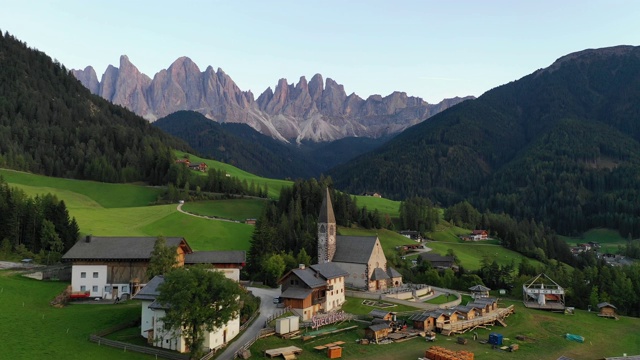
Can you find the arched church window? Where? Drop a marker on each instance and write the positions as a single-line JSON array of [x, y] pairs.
[[322, 228]]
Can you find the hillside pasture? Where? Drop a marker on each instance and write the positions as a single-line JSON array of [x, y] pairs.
[[240, 209], [32, 329], [471, 254], [384, 206], [202, 234], [274, 185], [106, 194], [608, 239]]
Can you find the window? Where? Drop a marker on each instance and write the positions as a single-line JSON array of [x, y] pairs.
[[83, 288], [95, 274], [125, 289], [107, 289], [95, 288], [83, 275]]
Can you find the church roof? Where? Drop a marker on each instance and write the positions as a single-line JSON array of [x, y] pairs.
[[393, 272], [379, 274], [329, 270], [326, 210], [354, 249]]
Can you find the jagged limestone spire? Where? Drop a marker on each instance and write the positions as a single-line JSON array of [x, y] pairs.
[[326, 230]]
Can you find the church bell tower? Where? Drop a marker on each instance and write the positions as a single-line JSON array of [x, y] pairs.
[[326, 230]]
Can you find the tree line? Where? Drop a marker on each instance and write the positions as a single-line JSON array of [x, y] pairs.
[[35, 227]]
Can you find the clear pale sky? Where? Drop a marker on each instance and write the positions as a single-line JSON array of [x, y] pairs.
[[430, 49]]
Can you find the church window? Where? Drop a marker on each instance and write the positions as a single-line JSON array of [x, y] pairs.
[[332, 230], [322, 228]]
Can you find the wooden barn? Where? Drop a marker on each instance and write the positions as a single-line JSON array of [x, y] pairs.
[[468, 312], [381, 314], [607, 310], [377, 332], [425, 321]]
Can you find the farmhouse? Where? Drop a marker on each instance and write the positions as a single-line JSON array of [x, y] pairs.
[[152, 327], [308, 291], [110, 267], [410, 234], [361, 257], [439, 262], [199, 167], [229, 262]]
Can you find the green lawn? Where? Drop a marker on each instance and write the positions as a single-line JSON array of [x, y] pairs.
[[609, 239], [546, 328], [384, 206], [440, 299], [105, 194], [32, 329], [355, 306], [471, 254], [240, 209]]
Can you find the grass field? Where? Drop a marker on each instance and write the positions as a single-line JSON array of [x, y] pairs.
[[547, 329], [274, 185], [32, 329], [384, 206], [609, 239], [355, 306], [94, 218], [239, 210], [471, 254]]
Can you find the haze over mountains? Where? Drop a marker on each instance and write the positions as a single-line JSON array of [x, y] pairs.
[[316, 110]]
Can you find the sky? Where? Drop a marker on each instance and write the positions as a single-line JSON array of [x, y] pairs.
[[430, 49]]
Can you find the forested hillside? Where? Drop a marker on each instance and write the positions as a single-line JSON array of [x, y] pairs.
[[50, 124], [560, 145], [242, 146]]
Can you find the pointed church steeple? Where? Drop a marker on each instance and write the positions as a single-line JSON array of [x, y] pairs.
[[326, 230]]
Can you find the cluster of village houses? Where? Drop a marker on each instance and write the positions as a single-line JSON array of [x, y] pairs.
[[115, 267]]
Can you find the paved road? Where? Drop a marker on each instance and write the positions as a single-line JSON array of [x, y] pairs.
[[267, 308]]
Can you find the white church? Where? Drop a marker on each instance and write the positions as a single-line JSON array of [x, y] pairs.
[[359, 256]]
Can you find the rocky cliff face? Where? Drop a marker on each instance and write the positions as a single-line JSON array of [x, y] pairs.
[[317, 110]]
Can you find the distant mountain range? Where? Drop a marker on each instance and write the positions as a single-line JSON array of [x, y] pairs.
[[561, 145], [316, 110]]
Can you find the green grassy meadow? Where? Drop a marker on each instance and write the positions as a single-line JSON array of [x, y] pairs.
[[355, 306], [384, 206], [32, 329], [609, 239], [237, 209], [545, 329], [274, 184]]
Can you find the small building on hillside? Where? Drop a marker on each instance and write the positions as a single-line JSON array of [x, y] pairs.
[[374, 194], [250, 221], [468, 312], [314, 289], [152, 326], [410, 234], [479, 291], [377, 332], [110, 267], [480, 234], [381, 314], [199, 167], [229, 262], [438, 261], [607, 310], [424, 321]]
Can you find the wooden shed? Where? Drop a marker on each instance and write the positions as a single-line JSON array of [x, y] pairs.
[[424, 321], [377, 332], [607, 310], [381, 314]]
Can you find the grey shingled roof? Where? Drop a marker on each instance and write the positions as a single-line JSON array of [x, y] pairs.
[[116, 248], [393, 272], [377, 313], [150, 291], [479, 288], [379, 274], [420, 317], [296, 293], [378, 327], [216, 257], [156, 305], [603, 304], [354, 249], [308, 276], [326, 210], [329, 270]]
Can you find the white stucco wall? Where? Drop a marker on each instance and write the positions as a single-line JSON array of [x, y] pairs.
[[94, 275], [335, 297], [146, 322], [216, 337]]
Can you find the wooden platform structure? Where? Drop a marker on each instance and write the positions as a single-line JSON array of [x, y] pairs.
[[490, 319], [543, 293], [288, 352]]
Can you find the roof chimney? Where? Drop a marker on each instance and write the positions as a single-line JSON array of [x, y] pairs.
[[88, 238], [301, 266]]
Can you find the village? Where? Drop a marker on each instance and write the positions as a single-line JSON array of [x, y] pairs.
[[308, 304]]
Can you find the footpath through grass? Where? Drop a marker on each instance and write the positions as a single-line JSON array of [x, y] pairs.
[[237, 209]]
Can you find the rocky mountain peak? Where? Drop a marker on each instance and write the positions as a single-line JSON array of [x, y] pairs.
[[316, 110]]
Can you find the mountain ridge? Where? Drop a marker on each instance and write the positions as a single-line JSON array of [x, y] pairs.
[[317, 110]]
